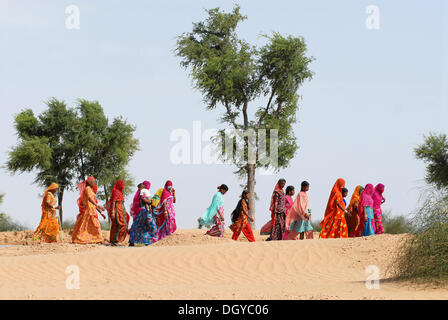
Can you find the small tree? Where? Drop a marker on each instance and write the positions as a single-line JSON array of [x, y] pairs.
[[105, 149], [65, 145], [46, 146], [231, 73], [434, 152]]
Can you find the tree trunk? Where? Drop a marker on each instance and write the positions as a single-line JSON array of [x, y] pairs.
[[251, 190], [60, 199]]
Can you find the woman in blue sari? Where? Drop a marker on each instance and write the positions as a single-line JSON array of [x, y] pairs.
[[214, 215], [366, 211], [144, 227]]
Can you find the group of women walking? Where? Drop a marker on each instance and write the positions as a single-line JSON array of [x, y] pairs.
[[153, 217], [291, 218]]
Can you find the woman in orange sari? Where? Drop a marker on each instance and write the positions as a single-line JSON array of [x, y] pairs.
[[87, 227], [48, 229], [334, 224], [353, 218], [117, 214]]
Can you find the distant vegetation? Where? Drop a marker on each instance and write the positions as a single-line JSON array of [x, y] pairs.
[[6, 222], [424, 256], [68, 225]]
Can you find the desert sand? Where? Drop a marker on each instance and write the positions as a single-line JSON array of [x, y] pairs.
[[190, 265]]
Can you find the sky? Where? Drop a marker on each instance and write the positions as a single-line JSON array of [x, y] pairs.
[[374, 95]]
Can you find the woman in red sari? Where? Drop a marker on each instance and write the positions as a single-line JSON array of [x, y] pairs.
[[87, 227], [334, 224], [117, 214]]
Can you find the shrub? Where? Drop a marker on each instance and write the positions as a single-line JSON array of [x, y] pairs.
[[7, 224], [397, 224], [424, 255]]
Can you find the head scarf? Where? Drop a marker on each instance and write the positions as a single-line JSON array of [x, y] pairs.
[[82, 186], [336, 193], [377, 196], [135, 204], [356, 196], [147, 185], [366, 197], [117, 191], [52, 186], [166, 193]]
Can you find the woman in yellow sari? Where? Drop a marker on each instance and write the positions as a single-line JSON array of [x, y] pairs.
[[87, 227], [48, 229]]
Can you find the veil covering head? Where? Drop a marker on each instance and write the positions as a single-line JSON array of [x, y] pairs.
[[52, 186], [82, 187], [336, 194]]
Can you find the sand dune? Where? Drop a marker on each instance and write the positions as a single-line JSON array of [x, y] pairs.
[[190, 265]]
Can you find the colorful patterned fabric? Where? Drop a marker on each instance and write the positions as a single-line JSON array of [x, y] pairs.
[[156, 198], [300, 226], [378, 213], [242, 224], [279, 227], [353, 218], [365, 201], [48, 229], [208, 218], [144, 227], [87, 228], [298, 209], [119, 223], [166, 226], [334, 224], [217, 230]]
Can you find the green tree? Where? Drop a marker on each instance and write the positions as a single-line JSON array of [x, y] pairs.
[[235, 75], [105, 149], [46, 146], [434, 152], [65, 145]]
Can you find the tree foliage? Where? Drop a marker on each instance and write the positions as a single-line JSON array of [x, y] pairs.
[[65, 145], [231, 73], [434, 152]]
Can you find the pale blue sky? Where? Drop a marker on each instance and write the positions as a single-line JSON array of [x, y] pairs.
[[374, 94]]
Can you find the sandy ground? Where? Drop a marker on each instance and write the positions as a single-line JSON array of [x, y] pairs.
[[190, 265]]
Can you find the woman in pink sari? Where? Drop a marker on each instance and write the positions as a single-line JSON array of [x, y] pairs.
[[378, 200], [365, 213], [166, 215], [135, 207]]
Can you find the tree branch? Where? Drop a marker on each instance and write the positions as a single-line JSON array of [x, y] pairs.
[[229, 113], [246, 120], [266, 110], [279, 108]]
